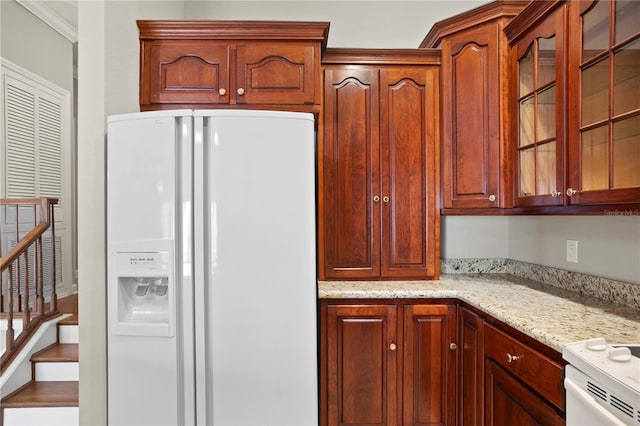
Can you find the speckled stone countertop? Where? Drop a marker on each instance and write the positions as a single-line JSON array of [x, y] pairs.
[[550, 315]]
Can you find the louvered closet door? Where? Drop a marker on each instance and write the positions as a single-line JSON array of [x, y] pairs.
[[33, 142]]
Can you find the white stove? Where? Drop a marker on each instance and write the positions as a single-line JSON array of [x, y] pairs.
[[602, 383]]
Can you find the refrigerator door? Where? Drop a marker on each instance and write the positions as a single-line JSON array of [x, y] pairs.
[[149, 269], [255, 280]]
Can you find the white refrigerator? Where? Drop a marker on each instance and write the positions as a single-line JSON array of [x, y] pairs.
[[211, 285]]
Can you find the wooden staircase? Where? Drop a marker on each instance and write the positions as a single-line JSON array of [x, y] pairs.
[[51, 397]]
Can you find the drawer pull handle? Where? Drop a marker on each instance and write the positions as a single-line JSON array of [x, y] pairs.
[[453, 346], [392, 346], [511, 358]]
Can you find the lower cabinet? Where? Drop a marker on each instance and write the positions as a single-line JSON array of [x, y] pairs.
[[410, 362], [522, 386], [387, 363]]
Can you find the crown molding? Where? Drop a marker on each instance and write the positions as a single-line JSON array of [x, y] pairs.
[[49, 17]]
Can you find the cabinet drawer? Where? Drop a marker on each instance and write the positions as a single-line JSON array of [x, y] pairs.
[[534, 369]]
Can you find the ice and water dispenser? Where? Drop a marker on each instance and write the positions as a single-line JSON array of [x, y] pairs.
[[143, 301]]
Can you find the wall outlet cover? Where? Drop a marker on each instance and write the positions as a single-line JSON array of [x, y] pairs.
[[572, 251]]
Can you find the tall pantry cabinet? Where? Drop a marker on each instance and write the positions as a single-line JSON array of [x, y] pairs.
[[377, 165]]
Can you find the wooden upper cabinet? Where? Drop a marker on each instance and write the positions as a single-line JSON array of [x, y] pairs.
[[377, 165], [202, 64], [273, 73], [182, 72], [475, 85], [578, 91], [539, 131], [604, 102]]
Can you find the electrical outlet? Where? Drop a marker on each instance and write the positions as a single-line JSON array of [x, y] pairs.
[[572, 251]]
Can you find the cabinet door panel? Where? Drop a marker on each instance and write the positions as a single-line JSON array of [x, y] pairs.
[[508, 402], [408, 107], [429, 365], [275, 73], [186, 72], [361, 367], [471, 132], [471, 370], [604, 106], [351, 216], [540, 154]]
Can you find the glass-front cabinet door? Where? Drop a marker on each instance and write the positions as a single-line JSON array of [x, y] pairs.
[[540, 171], [604, 102]]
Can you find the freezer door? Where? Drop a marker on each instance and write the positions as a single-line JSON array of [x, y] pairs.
[[149, 270], [256, 328]]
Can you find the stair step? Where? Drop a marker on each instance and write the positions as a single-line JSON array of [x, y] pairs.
[[43, 394], [61, 352]]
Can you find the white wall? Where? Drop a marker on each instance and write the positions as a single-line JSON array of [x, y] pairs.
[[34, 45], [108, 84], [371, 24], [608, 246], [474, 237]]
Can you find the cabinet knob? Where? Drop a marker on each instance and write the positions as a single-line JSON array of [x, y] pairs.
[[556, 194], [511, 358], [571, 192], [222, 91], [240, 91], [453, 346], [492, 198], [385, 199], [393, 346], [376, 198]]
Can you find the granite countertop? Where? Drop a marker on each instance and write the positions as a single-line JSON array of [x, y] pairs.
[[551, 315]]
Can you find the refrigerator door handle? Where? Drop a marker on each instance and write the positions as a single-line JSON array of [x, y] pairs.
[[184, 254], [200, 298]]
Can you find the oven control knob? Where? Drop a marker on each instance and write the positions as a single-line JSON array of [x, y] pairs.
[[597, 344], [622, 354]]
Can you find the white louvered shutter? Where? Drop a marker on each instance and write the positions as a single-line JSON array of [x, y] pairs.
[[49, 147], [20, 124]]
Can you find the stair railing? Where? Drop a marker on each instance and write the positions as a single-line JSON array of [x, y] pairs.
[[23, 281]]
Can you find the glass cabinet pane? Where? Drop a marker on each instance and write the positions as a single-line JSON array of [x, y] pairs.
[[546, 61], [595, 92], [525, 73], [526, 122], [547, 114], [626, 153], [626, 95], [546, 173], [627, 19], [595, 159], [527, 172], [595, 30]]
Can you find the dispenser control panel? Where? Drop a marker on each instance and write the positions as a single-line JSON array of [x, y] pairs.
[[142, 289]]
